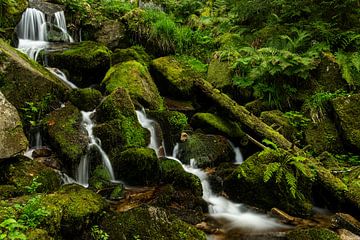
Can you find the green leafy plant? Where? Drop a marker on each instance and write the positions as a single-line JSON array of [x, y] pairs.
[[34, 185], [33, 213], [34, 111], [350, 67], [98, 234], [11, 229]]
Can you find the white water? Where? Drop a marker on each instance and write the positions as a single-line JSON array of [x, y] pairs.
[[238, 155], [57, 72], [60, 22], [83, 169], [149, 125]]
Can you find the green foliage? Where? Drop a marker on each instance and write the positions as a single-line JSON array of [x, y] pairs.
[[98, 234], [350, 67], [34, 185], [11, 229], [34, 111], [353, 160], [33, 213]]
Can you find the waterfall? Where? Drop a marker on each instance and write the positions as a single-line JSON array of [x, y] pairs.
[[238, 155], [58, 73], [83, 169], [60, 22]]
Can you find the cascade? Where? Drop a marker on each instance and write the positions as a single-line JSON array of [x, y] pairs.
[[60, 22], [238, 155], [61, 75], [83, 169], [235, 215]]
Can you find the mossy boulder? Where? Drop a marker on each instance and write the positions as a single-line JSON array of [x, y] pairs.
[[172, 77], [135, 78], [279, 120], [137, 166], [86, 62], [136, 53], [28, 176], [219, 73], [246, 184], [23, 80], [11, 12], [207, 150], [112, 34], [12, 137], [85, 99], [159, 225], [9, 191], [312, 234], [172, 172], [66, 135], [324, 136], [172, 123], [353, 193], [347, 112], [213, 124]]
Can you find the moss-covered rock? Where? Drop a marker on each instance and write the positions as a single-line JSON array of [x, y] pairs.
[[9, 191], [12, 137], [277, 118], [29, 176], [353, 193], [347, 111], [23, 80], [213, 124], [137, 166], [66, 135], [172, 77], [312, 234], [323, 136], [111, 33], [135, 78], [249, 175], [207, 150], [86, 99], [172, 123], [172, 172], [86, 62], [219, 73], [136, 53], [11, 14], [159, 225]]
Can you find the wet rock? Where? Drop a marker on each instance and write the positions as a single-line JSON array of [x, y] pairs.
[[346, 221], [41, 152], [207, 150], [347, 111], [86, 62], [159, 225], [136, 53], [135, 78], [85, 99], [46, 7], [66, 135], [12, 137], [185, 107], [312, 234], [347, 235]]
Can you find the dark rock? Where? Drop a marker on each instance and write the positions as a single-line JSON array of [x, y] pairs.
[[85, 99], [46, 7], [42, 152], [136, 53], [312, 234], [112, 34], [343, 220]]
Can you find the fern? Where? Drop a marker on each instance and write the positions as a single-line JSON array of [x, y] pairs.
[[270, 170], [292, 183], [350, 67]]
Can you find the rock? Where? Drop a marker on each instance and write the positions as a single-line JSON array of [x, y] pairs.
[[9, 191], [172, 123], [85, 99], [41, 152], [172, 172], [213, 124], [137, 166], [219, 73], [86, 62], [257, 106], [347, 235], [323, 136], [159, 225], [11, 12], [172, 77], [112, 34], [347, 112], [66, 135], [23, 80], [343, 220], [12, 138], [312, 234], [185, 107], [353, 193], [184, 137], [135, 78], [240, 185], [207, 150], [46, 7], [136, 53], [277, 119]]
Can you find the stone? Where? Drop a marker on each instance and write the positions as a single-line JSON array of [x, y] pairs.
[[112, 34], [346, 221], [136, 53], [312, 234], [12, 137], [86, 99]]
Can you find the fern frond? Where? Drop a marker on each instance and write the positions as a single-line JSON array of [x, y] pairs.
[[270, 170], [291, 182]]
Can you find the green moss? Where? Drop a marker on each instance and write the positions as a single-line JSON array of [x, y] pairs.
[[136, 53], [86, 62], [11, 13], [9, 191], [219, 74], [100, 178], [135, 78], [172, 172], [214, 124], [173, 78], [137, 166], [312, 234], [85, 99]]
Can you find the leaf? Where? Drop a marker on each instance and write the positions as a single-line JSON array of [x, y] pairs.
[[270, 170], [270, 143], [291, 182]]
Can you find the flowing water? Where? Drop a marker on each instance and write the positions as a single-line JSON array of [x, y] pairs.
[[233, 215], [58, 73]]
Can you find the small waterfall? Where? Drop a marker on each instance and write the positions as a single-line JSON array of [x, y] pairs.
[[238, 155], [57, 72], [149, 125], [60, 22], [83, 169]]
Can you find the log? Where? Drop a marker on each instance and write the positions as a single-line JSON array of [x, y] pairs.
[[241, 114]]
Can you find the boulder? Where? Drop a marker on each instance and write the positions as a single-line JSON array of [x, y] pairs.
[[135, 78], [312, 234], [111, 33], [11, 12], [23, 80], [347, 113], [136, 53], [159, 225], [12, 138], [137, 166], [46, 7], [85, 99], [172, 77], [66, 135], [346, 221], [86, 62], [207, 150], [219, 73], [213, 124]]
